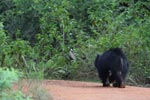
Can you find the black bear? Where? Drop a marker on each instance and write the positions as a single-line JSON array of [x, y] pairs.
[[112, 67]]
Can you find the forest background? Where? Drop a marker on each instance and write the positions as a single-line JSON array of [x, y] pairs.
[[36, 37]]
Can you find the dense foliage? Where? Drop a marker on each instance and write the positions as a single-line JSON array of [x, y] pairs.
[[37, 35]]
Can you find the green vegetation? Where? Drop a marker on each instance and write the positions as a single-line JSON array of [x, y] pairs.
[[13, 89], [7, 78], [37, 35]]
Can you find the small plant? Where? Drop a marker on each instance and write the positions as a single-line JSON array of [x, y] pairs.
[[7, 78], [35, 89]]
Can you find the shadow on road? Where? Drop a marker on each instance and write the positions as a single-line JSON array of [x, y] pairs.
[[77, 84]]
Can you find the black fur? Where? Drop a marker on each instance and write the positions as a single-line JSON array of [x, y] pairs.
[[112, 67]]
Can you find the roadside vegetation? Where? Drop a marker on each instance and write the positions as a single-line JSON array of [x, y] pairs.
[[12, 88]]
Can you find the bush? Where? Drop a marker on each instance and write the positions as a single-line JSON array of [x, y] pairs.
[[7, 78]]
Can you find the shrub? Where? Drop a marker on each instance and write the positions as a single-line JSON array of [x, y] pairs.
[[7, 78]]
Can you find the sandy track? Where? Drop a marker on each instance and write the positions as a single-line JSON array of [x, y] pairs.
[[74, 90]]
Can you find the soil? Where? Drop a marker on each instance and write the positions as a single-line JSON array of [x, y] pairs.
[[76, 90]]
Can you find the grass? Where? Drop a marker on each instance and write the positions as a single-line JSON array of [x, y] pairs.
[[34, 89]]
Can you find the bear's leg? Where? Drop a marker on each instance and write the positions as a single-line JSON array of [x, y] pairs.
[[119, 81], [105, 79]]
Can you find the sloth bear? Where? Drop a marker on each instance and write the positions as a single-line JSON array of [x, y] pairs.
[[112, 67]]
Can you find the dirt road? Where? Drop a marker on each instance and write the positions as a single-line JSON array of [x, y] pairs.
[[74, 90]]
